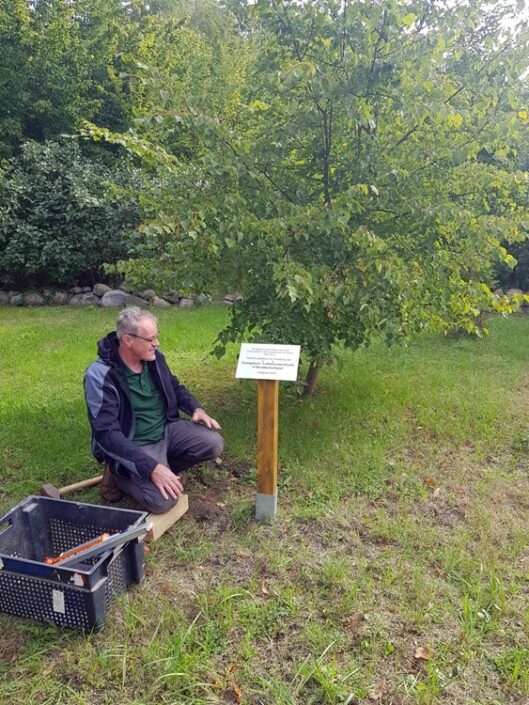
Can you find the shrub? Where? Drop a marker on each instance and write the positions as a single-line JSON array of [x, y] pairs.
[[62, 215]]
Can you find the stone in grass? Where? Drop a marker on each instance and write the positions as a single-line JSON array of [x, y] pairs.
[[4, 298], [187, 302], [148, 295], [34, 299], [230, 299], [86, 299], [100, 289], [160, 303], [17, 300], [116, 298], [113, 298], [60, 298], [172, 296]]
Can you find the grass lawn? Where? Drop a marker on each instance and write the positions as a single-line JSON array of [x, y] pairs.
[[397, 571]]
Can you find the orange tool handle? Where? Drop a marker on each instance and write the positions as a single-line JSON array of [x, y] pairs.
[[52, 560]]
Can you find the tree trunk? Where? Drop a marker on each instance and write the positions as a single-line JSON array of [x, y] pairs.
[[311, 378]]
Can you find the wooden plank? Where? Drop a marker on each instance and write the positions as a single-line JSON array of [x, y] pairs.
[[162, 522], [267, 433]]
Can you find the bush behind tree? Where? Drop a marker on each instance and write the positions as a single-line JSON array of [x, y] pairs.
[[62, 215]]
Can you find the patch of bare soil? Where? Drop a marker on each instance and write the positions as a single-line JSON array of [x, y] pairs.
[[209, 485]]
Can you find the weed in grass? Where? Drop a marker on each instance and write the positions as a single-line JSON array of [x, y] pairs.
[[513, 667], [317, 680], [483, 602], [427, 685]]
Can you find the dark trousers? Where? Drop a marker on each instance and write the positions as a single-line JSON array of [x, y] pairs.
[[185, 444]]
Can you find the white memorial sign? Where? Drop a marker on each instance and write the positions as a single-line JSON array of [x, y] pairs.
[[258, 361]]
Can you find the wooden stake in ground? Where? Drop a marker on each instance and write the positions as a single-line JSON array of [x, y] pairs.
[[268, 364], [267, 433]]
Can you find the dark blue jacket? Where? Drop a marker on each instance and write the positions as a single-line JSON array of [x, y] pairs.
[[110, 411]]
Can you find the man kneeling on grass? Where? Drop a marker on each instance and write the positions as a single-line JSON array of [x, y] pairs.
[[133, 403]]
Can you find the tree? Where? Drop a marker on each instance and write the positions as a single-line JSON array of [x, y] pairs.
[[61, 62], [61, 216], [350, 198]]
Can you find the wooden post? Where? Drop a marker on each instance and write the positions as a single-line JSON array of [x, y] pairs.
[[267, 427]]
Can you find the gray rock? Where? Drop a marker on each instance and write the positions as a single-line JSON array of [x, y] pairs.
[[17, 300], [148, 294], [114, 298], [47, 294], [203, 299], [512, 292], [13, 293], [4, 298], [34, 300], [136, 301], [125, 287], [100, 289], [187, 302], [86, 290], [172, 296], [84, 299], [230, 299], [498, 293], [77, 290], [60, 298], [160, 303]]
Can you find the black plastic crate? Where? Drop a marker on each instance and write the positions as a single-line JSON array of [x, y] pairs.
[[76, 596]]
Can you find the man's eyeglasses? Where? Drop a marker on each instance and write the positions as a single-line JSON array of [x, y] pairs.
[[147, 340]]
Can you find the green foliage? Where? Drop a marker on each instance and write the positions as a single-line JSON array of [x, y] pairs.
[[361, 188], [62, 62], [60, 216]]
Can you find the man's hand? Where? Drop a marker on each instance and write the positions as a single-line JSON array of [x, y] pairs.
[[200, 416], [167, 482]]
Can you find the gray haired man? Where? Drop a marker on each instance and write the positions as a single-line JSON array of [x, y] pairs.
[[134, 404]]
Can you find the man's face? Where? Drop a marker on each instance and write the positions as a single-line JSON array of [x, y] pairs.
[[143, 344]]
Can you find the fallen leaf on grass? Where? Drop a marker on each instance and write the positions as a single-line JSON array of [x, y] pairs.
[[221, 505], [241, 553], [429, 481], [423, 653], [264, 589], [353, 621], [237, 692]]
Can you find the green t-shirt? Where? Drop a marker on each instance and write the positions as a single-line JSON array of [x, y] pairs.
[[149, 406]]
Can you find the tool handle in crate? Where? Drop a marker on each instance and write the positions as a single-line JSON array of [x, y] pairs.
[[85, 551], [52, 560]]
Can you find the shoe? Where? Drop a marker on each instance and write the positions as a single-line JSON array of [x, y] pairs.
[[110, 492]]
